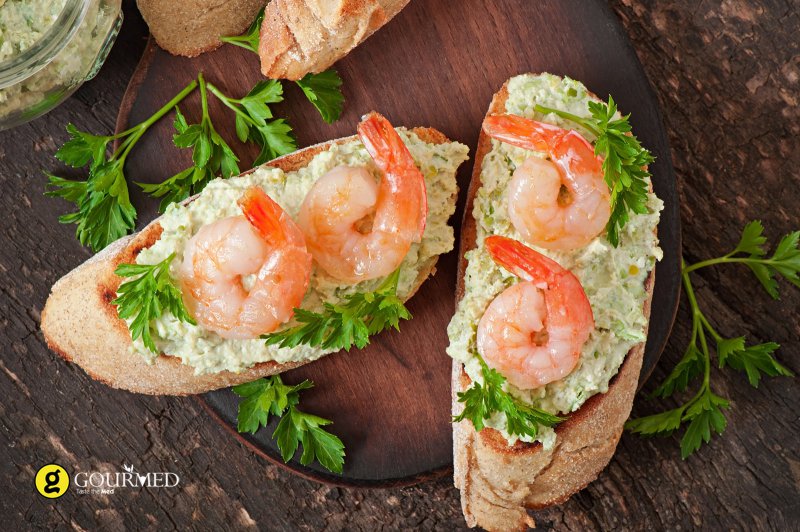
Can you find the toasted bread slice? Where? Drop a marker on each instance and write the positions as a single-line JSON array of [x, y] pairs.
[[499, 481], [80, 323], [307, 36]]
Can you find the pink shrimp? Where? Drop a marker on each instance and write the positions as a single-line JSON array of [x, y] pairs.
[[560, 203], [533, 331], [358, 229], [264, 242]]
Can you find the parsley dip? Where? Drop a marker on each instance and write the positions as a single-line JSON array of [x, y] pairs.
[[206, 351], [47, 49], [23, 22], [613, 278]]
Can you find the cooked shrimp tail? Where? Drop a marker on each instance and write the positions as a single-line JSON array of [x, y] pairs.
[[521, 260], [264, 214], [402, 178], [523, 132]]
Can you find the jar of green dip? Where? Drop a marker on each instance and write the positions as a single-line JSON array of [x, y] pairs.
[[48, 48]]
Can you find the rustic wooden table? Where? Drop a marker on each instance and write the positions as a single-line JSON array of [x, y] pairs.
[[727, 75]]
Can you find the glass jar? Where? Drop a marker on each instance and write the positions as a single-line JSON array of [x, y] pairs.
[[72, 44]]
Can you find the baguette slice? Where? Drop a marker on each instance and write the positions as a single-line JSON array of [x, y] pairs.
[[498, 481], [192, 27], [80, 324], [304, 36]]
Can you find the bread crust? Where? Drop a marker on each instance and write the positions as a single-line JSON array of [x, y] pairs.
[[80, 324], [192, 27], [307, 36], [498, 481]]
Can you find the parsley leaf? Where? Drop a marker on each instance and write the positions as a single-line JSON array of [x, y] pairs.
[[324, 91], [249, 39], [270, 396], [104, 211], [82, 148], [755, 360], [661, 424], [689, 367], [752, 241], [481, 400], [146, 297], [703, 411], [298, 427], [210, 153], [751, 251], [349, 323], [624, 161], [275, 138], [704, 414], [262, 398], [254, 119]]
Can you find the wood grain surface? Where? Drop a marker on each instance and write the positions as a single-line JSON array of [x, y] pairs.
[[727, 76], [386, 444]]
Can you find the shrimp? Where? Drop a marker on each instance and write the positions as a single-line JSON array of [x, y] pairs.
[[264, 243], [560, 203], [358, 229], [533, 331]]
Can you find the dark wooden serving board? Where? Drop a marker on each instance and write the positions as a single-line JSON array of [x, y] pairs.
[[437, 64]]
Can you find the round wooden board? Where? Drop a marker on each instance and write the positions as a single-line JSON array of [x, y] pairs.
[[436, 64]]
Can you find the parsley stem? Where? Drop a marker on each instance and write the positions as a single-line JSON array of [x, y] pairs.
[[128, 145], [710, 329], [569, 116], [391, 281], [230, 103], [697, 325], [203, 96], [237, 40], [696, 312], [727, 259], [139, 129], [689, 289], [172, 103]]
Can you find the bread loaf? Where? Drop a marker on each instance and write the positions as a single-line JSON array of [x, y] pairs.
[[192, 27], [303, 36]]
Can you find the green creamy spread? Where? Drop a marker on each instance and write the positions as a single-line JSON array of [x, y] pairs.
[[24, 22], [206, 351], [613, 278]]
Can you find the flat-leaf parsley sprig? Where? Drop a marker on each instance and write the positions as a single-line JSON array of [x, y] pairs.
[[703, 412], [254, 119], [269, 396], [104, 210], [481, 400], [349, 323], [625, 161], [323, 89], [146, 296], [211, 156]]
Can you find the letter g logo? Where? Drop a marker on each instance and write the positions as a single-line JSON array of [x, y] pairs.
[[52, 481]]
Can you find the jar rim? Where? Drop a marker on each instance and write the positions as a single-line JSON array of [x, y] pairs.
[[44, 50]]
